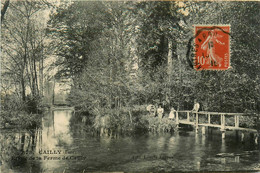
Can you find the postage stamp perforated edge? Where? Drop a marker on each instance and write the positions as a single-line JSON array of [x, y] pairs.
[[229, 46]]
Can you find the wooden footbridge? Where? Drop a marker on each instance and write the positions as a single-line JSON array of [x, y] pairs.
[[193, 118]]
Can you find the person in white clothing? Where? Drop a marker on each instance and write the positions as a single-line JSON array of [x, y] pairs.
[[160, 111], [196, 106], [172, 114], [152, 110], [195, 109]]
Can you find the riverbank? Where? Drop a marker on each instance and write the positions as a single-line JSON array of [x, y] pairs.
[[17, 113], [150, 152], [124, 121], [19, 119]]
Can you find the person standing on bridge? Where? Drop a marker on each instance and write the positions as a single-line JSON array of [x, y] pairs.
[[196, 108]]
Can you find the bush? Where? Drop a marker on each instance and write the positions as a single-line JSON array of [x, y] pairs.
[[131, 122], [114, 120], [19, 119], [29, 121], [18, 114]]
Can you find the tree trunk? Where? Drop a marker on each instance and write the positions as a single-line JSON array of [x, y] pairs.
[[42, 75], [35, 78], [169, 59], [23, 88], [169, 71], [22, 80], [53, 91], [3, 11]]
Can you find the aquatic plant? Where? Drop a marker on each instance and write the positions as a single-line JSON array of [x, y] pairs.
[[155, 124]]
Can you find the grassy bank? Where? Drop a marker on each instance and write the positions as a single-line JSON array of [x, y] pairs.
[[137, 120], [124, 121]]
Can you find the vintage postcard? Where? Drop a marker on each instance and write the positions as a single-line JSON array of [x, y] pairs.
[[129, 86]]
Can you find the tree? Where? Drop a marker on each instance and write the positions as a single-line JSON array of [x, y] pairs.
[[24, 47], [231, 90], [4, 9], [135, 53]]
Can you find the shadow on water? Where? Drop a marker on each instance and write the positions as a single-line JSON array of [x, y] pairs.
[[63, 144]]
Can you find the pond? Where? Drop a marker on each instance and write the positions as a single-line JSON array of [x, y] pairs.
[[63, 146]]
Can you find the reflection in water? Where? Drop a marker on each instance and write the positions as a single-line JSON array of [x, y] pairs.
[[161, 143], [223, 160], [237, 159], [55, 130], [171, 142], [17, 148], [55, 134], [61, 126], [198, 166], [185, 151], [203, 140], [223, 146]]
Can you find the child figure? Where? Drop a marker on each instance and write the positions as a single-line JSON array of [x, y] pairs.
[[172, 115]]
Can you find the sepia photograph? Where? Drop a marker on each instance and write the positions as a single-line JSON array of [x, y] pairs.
[[129, 86]]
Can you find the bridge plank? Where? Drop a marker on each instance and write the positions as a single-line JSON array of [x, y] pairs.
[[219, 113], [218, 126], [240, 128]]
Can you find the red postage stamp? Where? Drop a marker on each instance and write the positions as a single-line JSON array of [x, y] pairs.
[[212, 47]]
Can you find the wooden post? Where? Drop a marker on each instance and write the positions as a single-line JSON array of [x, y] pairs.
[[242, 136], [197, 122], [203, 130], [222, 129], [235, 117], [223, 122], [223, 134], [209, 118], [177, 119], [236, 121], [188, 116]]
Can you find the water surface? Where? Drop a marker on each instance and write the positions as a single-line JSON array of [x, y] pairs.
[[62, 145]]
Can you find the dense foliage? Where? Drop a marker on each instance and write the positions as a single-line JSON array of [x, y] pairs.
[[23, 50], [124, 54], [119, 55]]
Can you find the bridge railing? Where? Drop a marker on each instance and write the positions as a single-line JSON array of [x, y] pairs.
[[195, 117], [195, 121]]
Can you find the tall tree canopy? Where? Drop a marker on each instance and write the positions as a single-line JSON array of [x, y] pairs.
[[125, 53]]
